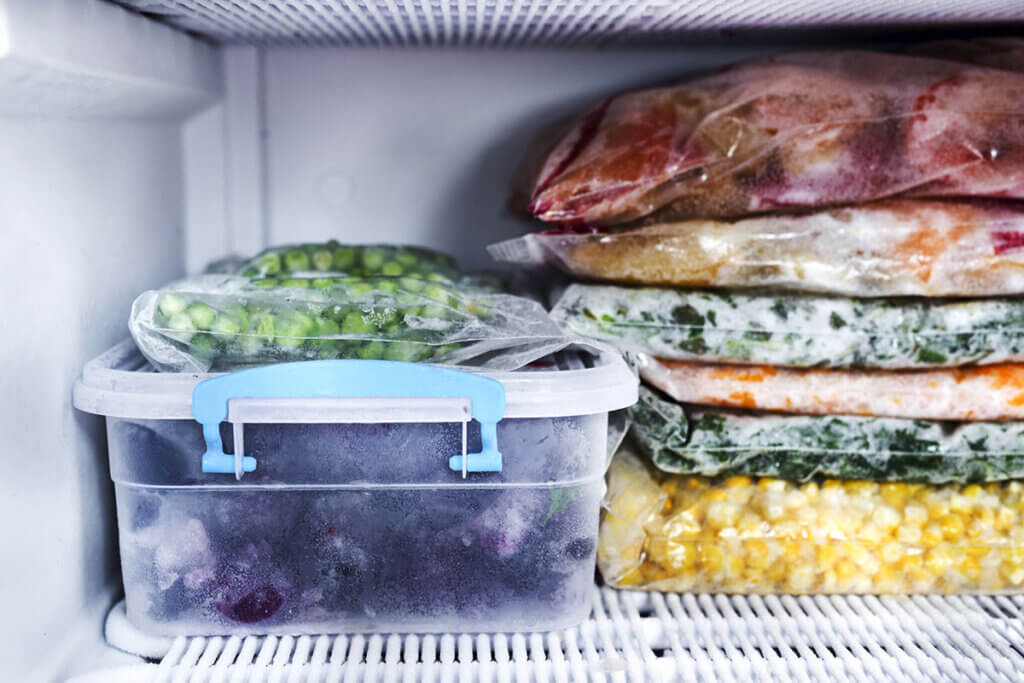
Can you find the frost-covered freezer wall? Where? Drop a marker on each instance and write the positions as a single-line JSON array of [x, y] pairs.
[[91, 99]]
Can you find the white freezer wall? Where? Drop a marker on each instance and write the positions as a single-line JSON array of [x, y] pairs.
[[91, 215], [92, 100], [419, 145]]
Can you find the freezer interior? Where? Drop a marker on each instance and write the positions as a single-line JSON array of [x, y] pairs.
[[143, 139]]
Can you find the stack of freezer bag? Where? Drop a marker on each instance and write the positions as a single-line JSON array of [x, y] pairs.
[[325, 301], [809, 426]]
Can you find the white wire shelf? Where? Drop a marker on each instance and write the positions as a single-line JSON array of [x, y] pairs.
[[538, 22], [636, 637]]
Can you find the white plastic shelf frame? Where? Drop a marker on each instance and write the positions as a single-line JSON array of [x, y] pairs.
[[634, 636], [539, 22]]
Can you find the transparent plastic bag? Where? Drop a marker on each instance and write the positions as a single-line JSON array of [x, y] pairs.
[[681, 533], [999, 53], [227, 322], [994, 392], [714, 442], [795, 330], [794, 131], [332, 258], [888, 248]]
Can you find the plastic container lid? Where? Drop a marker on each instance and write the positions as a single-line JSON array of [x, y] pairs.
[[121, 383]]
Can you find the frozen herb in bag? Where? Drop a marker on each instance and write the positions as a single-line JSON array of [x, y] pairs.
[[714, 442], [227, 322], [801, 130], [888, 248], [795, 330]]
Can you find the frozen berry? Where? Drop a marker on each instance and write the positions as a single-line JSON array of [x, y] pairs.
[[259, 604]]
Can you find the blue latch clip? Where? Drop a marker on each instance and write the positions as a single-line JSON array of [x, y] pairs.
[[349, 379]]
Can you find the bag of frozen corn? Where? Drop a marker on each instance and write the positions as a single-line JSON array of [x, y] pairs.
[[740, 534]]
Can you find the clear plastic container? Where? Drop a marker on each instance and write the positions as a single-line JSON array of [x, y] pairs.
[[354, 515]]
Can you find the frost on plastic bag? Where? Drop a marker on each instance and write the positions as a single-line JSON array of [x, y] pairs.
[[889, 248], [795, 330], [993, 392], [714, 442], [223, 323], [795, 131], [333, 258], [682, 533]]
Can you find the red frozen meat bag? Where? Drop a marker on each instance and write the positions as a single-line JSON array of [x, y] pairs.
[[797, 131]]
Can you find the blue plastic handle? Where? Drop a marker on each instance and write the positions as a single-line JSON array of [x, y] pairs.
[[349, 379]]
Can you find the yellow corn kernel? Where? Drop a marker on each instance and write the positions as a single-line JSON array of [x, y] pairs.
[[871, 533], [682, 525], [793, 552], [828, 555], [932, 534], [937, 507], [1017, 577], [722, 514], [750, 525], [1004, 519], [894, 494], [714, 495], [952, 527], [972, 491], [885, 580], [737, 482], [711, 557], [758, 553], [670, 486], [915, 514], [672, 553], [800, 579], [810, 489], [985, 517], [960, 503], [861, 488], [977, 552], [789, 530], [1014, 555], [773, 510], [939, 559], [653, 573], [909, 563], [892, 552], [886, 517], [909, 534], [977, 529], [734, 564], [971, 569], [772, 485], [856, 553], [846, 571]]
